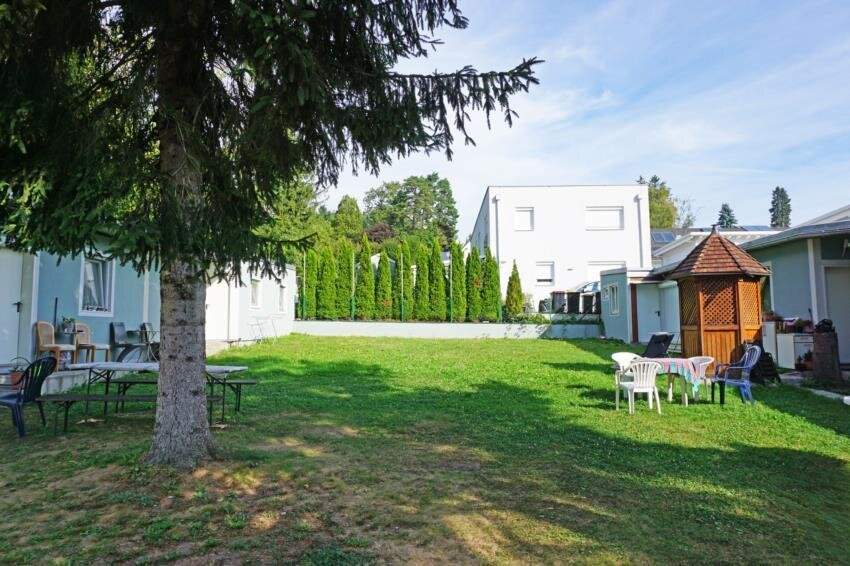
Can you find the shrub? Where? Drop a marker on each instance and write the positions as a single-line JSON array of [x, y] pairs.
[[326, 290], [491, 295], [403, 283], [458, 286], [344, 278], [437, 282], [473, 286], [383, 289], [514, 298], [364, 292], [421, 296], [311, 278]]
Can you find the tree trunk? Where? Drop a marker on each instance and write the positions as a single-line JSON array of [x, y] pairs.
[[181, 435]]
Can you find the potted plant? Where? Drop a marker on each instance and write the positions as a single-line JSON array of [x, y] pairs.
[[16, 372], [69, 324]]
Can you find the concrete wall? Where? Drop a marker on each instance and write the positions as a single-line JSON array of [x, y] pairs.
[[789, 280], [561, 233], [617, 325], [444, 330]]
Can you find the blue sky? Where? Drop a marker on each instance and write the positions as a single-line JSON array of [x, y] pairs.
[[723, 100]]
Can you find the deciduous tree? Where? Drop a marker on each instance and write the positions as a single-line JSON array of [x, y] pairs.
[[663, 212]]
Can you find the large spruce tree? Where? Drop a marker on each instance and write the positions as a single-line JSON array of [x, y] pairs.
[[364, 292], [473, 285], [726, 217], [164, 132], [780, 208]]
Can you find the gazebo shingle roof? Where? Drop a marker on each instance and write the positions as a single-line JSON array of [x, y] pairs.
[[716, 255]]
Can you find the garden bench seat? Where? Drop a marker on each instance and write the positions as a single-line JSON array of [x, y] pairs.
[[236, 386], [66, 400]]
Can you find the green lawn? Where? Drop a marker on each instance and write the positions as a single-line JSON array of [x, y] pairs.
[[376, 450]]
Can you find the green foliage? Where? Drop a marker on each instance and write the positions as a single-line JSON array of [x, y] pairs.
[[326, 305], [491, 294], [663, 212], [383, 289], [348, 220], [513, 300], [403, 282], [458, 287], [364, 292], [474, 283], [311, 280], [780, 208], [421, 293], [437, 282], [726, 218], [344, 278], [421, 205]]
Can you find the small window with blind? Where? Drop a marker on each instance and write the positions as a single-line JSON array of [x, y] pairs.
[[613, 299], [545, 272], [603, 217]]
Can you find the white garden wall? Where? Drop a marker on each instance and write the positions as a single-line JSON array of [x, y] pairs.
[[443, 329]]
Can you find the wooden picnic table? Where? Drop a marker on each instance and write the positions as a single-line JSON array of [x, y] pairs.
[[106, 371]]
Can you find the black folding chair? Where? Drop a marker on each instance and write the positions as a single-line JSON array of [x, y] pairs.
[[658, 345], [28, 392]]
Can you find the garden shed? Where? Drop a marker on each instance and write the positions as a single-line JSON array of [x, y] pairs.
[[719, 298]]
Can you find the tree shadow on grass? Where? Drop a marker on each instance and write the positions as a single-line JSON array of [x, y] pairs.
[[507, 477]]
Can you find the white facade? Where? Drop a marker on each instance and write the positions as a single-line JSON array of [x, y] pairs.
[[563, 236], [260, 308]]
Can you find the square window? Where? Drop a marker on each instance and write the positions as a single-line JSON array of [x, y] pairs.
[[524, 219], [255, 293], [96, 286], [603, 217], [545, 272]]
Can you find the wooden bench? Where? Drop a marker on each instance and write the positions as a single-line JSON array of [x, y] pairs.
[[65, 401]]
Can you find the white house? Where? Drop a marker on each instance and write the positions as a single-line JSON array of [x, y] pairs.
[[670, 246], [260, 308], [563, 236]]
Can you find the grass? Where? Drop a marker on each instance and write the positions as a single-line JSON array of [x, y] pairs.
[[357, 450]]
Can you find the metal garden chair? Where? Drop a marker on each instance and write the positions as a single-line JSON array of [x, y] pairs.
[[29, 391], [737, 375]]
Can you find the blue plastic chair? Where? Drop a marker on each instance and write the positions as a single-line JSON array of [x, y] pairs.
[[737, 375], [28, 392]]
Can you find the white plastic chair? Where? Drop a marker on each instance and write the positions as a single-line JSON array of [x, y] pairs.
[[622, 361], [644, 373], [701, 364]]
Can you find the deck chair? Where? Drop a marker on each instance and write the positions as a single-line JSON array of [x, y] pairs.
[[46, 342], [658, 345], [29, 391]]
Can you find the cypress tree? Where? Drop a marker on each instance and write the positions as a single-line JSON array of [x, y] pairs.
[[344, 277], [458, 287], [513, 300], [326, 289], [473, 285], [491, 295], [437, 282], [403, 282], [364, 292], [383, 289], [421, 296], [310, 283]]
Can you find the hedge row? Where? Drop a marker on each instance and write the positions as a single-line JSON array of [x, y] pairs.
[[410, 285]]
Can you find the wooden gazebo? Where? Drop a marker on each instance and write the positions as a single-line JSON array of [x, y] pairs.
[[719, 299]]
